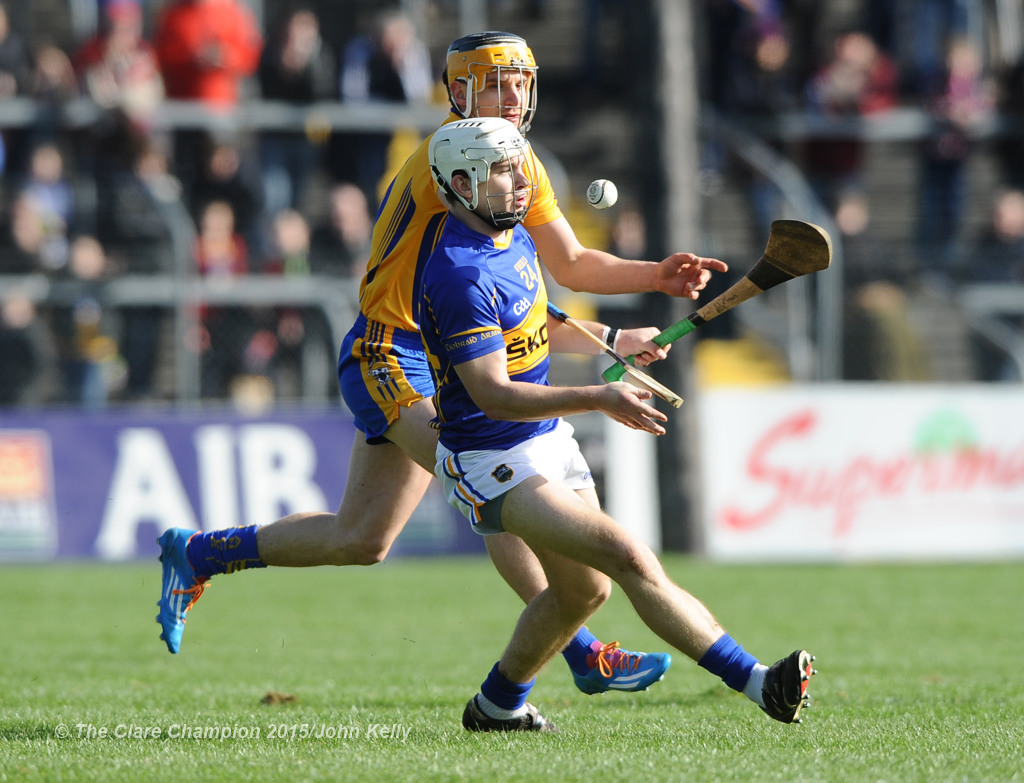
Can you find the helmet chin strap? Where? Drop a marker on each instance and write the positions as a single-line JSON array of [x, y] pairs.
[[504, 220], [501, 220]]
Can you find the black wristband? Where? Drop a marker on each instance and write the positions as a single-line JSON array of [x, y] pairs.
[[613, 335]]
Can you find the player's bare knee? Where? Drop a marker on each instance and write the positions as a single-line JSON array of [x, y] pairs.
[[602, 593], [633, 558], [591, 600], [367, 549], [357, 547], [369, 553], [585, 596]]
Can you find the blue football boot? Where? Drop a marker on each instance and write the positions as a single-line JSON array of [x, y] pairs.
[[181, 587], [615, 669]]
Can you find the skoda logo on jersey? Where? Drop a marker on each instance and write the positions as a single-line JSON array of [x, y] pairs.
[[521, 306], [502, 473], [380, 373]]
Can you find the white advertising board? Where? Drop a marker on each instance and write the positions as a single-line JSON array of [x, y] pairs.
[[863, 472]]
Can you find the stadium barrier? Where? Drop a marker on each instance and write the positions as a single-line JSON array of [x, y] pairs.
[[863, 472], [105, 485]]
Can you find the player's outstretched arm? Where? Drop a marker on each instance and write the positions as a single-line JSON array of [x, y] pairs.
[[581, 268]]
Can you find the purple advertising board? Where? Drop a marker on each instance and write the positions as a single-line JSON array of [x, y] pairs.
[[104, 485]]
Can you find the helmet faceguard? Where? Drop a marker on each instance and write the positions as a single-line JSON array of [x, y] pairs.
[[471, 58], [471, 147]]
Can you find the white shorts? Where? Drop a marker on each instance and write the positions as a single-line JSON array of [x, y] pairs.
[[471, 479]]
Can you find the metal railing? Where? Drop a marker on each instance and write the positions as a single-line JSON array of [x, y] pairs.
[[813, 336], [185, 297], [258, 115], [810, 330], [993, 311]]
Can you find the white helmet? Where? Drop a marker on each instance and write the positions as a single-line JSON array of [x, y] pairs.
[[471, 147]]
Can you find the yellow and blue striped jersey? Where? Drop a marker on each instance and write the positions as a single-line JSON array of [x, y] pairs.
[[408, 225]]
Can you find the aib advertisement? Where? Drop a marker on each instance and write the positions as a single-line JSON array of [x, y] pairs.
[[105, 485]]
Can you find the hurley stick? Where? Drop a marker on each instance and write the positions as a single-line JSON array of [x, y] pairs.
[[794, 249]]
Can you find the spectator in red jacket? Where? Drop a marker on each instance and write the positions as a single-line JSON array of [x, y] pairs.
[[206, 49]]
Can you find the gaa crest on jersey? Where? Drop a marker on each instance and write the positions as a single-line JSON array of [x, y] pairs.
[[380, 373], [502, 473]]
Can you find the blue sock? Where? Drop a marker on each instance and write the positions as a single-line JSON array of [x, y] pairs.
[[576, 651], [728, 660], [224, 551], [504, 693]]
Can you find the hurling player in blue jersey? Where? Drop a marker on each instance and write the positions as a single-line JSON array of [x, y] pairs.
[[510, 463], [387, 384]]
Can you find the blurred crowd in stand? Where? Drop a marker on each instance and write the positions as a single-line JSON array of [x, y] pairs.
[[960, 63], [84, 205]]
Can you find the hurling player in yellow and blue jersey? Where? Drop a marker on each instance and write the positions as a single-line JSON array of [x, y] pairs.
[[387, 384], [508, 460]]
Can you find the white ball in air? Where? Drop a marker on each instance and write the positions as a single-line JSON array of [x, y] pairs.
[[602, 193]]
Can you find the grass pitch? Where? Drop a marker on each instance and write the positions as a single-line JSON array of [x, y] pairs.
[[920, 678]]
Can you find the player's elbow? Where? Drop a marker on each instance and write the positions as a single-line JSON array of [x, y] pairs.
[[500, 412], [570, 274], [571, 284], [496, 402], [570, 267], [509, 409]]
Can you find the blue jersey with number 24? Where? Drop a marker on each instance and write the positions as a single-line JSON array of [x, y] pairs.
[[478, 296]]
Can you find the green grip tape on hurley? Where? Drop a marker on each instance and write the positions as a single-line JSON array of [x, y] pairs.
[[670, 335]]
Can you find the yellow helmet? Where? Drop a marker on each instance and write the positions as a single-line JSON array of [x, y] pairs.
[[472, 57]]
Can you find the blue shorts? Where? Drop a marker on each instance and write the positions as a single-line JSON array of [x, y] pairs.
[[380, 370]]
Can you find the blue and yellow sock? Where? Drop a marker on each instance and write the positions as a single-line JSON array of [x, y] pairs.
[[224, 551]]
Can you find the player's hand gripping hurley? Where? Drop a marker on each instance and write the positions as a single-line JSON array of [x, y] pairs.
[[794, 249], [633, 375]]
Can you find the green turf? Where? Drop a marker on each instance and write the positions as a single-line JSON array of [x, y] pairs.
[[920, 678]]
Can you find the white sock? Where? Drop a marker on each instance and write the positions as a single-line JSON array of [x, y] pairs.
[[752, 690], [492, 710]]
